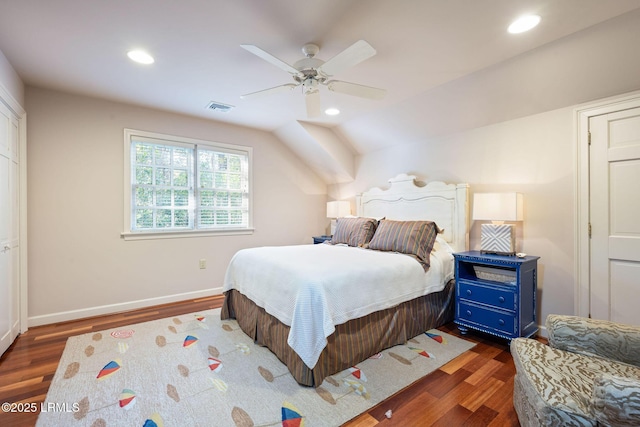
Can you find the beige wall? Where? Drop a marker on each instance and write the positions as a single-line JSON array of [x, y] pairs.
[[78, 263], [532, 155]]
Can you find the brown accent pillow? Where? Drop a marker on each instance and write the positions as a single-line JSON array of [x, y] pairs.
[[415, 238], [354, 231]]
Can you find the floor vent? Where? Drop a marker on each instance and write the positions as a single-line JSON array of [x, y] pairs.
[[218, 106]]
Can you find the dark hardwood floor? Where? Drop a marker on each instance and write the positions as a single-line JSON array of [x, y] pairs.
[[475, 389]]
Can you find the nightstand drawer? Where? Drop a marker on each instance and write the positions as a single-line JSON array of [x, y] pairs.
[[490, 295], [487, 318]]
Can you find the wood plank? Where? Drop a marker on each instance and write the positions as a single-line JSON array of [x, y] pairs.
[[446, 403], [455, 416], [480, 417], [364, 420], [484, 371], [459, 362], [481, 393]]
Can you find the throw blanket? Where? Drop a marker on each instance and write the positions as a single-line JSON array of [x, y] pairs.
[[312, 288]]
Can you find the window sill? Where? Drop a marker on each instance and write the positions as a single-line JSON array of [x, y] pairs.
[[152, 235]]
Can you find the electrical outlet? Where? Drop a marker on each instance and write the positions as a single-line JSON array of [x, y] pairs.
[[203, 263]]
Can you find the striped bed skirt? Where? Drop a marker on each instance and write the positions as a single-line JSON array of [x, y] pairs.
[[353, 341]]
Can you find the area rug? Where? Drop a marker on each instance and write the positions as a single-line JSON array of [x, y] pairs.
[[197, 370]]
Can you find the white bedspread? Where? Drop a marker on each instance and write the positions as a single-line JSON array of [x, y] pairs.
[[312, 288]]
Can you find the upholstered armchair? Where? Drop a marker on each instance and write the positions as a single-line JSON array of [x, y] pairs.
[[588, 375]]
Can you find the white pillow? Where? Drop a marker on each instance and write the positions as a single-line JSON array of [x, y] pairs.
[[442, 245]]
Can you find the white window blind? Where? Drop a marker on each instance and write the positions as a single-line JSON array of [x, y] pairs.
[[184, 185], [222, 189]]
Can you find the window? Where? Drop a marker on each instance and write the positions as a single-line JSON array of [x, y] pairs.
[[178, 187]]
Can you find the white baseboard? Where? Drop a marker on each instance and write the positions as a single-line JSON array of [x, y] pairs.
[[64, 316], [542, 332]]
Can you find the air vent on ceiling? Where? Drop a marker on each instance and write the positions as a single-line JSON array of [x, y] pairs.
[[218, 106]]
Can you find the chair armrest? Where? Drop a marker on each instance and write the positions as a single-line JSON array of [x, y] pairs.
[[593, 337], [616, 400]]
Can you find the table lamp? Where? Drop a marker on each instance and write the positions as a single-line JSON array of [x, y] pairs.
[[498, 237], [337, 209]]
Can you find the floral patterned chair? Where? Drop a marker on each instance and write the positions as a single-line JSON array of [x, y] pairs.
[[588, 375]]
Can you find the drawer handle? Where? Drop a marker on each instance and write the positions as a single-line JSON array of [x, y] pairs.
[[501, 299], [501, 322], [469, 313], [469, 292]]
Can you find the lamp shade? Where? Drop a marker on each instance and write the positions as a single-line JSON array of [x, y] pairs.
[[497, 207], [338, 208]]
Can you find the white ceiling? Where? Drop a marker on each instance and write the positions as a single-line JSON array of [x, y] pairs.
[[80, 46]]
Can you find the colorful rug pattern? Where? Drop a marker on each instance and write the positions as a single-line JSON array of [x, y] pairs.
[[196, 370]]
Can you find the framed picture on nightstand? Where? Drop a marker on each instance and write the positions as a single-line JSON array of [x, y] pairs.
[[320, 239]]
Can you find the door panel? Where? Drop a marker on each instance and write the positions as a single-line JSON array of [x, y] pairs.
[[6, 328], [625, 177], [614, 216], [624, 291]]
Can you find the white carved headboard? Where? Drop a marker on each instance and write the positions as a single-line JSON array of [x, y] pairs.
[[445, 204]]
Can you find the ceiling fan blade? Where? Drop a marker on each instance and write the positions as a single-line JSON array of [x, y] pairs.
[[270, 91], [356, 90], [312, 100], [269, 58], [354, 54]]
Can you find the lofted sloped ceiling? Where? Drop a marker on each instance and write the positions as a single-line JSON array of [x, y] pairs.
[[322, 149], [446, 65]]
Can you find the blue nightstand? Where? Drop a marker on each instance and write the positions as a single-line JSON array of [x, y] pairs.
[[320, 239], [496, 294]]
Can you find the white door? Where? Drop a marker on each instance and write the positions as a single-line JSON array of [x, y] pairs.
[[9, 229], [6, 305], [614, 185]]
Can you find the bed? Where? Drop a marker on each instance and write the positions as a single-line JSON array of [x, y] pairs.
[[324, 308]]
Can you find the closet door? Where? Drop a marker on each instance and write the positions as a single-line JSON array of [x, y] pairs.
[[9, 229], [614, 212]]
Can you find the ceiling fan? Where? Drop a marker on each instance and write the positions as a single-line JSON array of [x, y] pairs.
[[311, 72]]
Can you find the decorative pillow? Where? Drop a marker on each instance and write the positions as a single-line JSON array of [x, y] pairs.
[[415, 238], [354, 231]]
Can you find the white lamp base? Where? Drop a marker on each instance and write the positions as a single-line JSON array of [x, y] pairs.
[[498, 239]]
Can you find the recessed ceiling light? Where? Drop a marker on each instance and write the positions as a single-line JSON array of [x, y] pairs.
[[524, 23], [140, 56], [332, 111]]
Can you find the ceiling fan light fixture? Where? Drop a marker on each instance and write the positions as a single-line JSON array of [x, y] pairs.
[[332, 111], [524, 23], [309, 85], [310, 73], [140, 56]]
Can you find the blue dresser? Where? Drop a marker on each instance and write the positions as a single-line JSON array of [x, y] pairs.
[[496, 294]]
